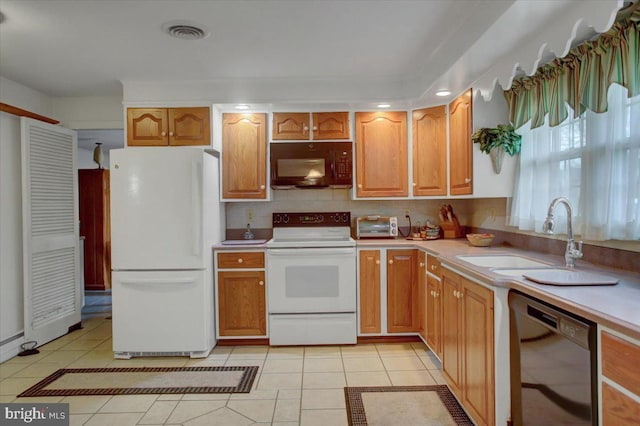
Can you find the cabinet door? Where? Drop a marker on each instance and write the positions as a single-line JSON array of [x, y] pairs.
[[369, 269], [147, 127], [290, 126], [478, 352], [330, 125], [242, 303], [189, 126], [430, 151], [460, 145], [434, 315], [244, 156], [451, 339], [422, 294], [402, 291], [381, 154]]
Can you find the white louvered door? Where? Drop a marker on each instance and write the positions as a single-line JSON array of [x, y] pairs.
[[52, 293]]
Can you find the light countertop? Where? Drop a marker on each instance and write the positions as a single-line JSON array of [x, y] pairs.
[[616, 307]]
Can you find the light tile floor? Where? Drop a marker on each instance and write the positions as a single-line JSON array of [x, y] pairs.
[[294, 386]]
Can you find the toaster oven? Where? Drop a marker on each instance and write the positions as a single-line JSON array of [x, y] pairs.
[[376, 227]]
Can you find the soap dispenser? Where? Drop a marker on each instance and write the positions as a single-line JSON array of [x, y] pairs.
[[248, 235]]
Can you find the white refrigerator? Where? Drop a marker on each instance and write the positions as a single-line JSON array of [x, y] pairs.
[[165, 216]]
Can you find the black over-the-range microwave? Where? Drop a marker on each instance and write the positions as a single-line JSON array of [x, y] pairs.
[[311, 165]]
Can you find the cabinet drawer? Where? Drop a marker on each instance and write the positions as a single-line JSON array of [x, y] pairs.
[[241, 260], [620, 362], [433, 265], [617, 408]]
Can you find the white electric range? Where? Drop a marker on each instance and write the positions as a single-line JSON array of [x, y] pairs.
[[311, 263]]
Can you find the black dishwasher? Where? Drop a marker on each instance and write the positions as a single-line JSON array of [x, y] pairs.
[[553, 364]]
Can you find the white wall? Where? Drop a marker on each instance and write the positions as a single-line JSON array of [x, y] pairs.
[[17, 95], [11, 287], [486, 183], [93, 112]]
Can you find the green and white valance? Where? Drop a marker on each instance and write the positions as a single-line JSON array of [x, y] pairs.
[[581, 79]]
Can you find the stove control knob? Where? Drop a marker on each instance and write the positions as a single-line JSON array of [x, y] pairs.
[[285, 218]]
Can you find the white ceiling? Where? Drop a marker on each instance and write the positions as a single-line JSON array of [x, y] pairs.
[[377, 48]]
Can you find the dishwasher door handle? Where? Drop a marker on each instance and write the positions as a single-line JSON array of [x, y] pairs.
[[545, 317]]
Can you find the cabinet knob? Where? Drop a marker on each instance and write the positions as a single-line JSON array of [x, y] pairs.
[[433, 267], [305, 129], [415, 184], [377, 262], [170, 133], [163, 133], [262, 187], [467, 180], [261, 282], [422, 264], [360, 185], [455, 293], [390, 261], [315, 128], [240, 260]]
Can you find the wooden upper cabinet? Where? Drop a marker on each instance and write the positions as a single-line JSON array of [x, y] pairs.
[[381, 154], [369, 291], [147, 127], [244, 156], [460, 145], [402, 291], [290, 126], [330, 125], [430, 151], [189, 126], [168, 126]]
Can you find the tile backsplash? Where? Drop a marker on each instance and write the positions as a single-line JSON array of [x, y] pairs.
[[324, 200]]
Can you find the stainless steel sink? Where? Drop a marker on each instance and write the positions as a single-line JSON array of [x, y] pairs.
[[502, 261]]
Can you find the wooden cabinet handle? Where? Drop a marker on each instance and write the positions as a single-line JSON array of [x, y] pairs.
[[467, 180], [240, 260], [262, 187], [359, 185], [433, 267], [170, 133], [261, 282], [163, 133], [377, 262], [315, 128], [415, 184], [305, 129], [390, 261], [422, 264]]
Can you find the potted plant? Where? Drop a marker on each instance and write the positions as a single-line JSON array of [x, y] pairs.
[[496, 141]]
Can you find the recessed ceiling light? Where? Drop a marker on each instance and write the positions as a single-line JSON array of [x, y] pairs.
[[242, 106], [443, 93], [186, 30], [384, 105]]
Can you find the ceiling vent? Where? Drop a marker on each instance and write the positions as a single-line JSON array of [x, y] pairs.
[[186, 30]]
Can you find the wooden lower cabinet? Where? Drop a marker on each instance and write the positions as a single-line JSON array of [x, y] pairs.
[[369, 267], [468, 345], [242, 303], [619, 361], [434, 315], [422, 294], [402, 291]]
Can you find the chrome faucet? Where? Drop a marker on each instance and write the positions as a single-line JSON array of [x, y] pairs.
[[571, 253]]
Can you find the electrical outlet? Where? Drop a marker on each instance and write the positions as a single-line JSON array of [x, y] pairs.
[[407, 213], [250, 214]]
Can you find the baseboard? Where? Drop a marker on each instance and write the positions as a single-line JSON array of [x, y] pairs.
[[388, 339], [243, 342], [11, 348]]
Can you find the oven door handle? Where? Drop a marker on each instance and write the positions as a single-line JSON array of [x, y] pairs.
[[306, 252]]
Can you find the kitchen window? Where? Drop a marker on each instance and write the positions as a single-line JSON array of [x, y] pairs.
[[594, 160]]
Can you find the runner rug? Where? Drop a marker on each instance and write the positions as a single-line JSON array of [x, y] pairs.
[[144, 380], [403, 405]]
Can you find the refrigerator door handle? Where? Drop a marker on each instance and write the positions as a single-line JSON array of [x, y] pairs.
[[196, 179], [143, 281]]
